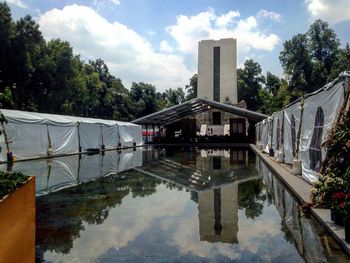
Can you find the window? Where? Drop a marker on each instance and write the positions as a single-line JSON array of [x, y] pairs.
[[293, 134], [237, 126], [216, 118], [315, 152], [216, 72]]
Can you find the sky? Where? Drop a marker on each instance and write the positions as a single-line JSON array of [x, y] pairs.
[[156, 41]]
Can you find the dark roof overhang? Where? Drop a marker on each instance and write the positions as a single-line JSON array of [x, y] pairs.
[[193, 107]]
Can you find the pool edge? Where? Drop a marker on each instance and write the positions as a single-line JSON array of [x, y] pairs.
[[301, 190]]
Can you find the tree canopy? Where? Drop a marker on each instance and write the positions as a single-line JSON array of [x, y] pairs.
[[46, 76]]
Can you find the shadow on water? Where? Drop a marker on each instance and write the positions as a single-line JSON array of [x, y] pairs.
[[171, 204]]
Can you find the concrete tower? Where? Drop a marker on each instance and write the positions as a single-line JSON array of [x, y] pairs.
[[217, 70]]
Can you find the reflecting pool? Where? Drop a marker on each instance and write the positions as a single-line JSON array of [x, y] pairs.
[[171, 205]]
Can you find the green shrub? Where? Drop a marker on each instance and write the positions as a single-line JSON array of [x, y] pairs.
[[10, 181]]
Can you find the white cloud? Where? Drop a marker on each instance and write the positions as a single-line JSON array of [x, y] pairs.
[[188, 30], [128, 55], [165, 47], [114, 2], [333, 11], [269, 14], [18, 3], [226, 19]]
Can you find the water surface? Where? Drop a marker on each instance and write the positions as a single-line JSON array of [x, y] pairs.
[[172, 205]]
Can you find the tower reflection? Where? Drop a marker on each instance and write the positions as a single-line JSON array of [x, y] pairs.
[[218, 214]]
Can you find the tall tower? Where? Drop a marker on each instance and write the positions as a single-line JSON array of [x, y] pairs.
[[217, 70]]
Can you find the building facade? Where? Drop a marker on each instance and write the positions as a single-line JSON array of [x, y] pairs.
[[217, 70], [217, 81]]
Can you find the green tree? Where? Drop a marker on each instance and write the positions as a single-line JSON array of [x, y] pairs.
[[312, 59], [272, 84], [6, 35], [174, 96], [324, 48], [192, 88], [249, 83], [145, 98], [296, 62]]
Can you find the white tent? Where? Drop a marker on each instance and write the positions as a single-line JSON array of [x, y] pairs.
[[277, 135], [37, 135], [290, 131], [316, 112], [266, 134], [320, 113], [29, 134], [129, 134], [129, 159]]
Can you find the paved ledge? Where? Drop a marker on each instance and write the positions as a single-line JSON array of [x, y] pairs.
[[337, 232], [296, 184], [301, 190]]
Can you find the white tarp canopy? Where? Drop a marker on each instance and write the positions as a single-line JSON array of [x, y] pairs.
[[66, 171], [320, 113], [316, 112], [130, 158], [266, 134], [277, 135], [129, 134], [31, 134], [290, 131], [97, 132]]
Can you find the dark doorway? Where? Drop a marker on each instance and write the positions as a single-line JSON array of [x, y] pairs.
[[216, 118]]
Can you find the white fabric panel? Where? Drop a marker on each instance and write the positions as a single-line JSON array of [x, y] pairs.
[[64, 173], [110, 161], [277, 135], [290, 130], [138, 157], [130, 158], [90, 167], [313, 249], [126, 135], [137, 132], [27, 140], [260, 127], [312, 153], [28, 134], [266, 135], [61, 173], [16, 116], [110, 136], [3, 149], [64, 139], [90, 135]]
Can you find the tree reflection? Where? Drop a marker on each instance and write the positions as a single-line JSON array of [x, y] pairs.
[[251, 198], [60, 215]]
